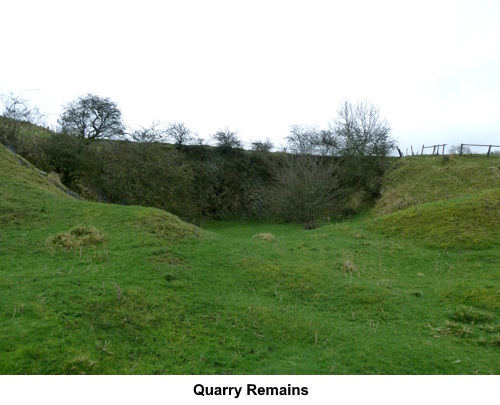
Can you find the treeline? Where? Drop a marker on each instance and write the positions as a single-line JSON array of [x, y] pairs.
[[322, 173]]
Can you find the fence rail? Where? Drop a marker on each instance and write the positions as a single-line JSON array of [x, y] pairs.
[[435, 149], [471, 144], [440, 149]]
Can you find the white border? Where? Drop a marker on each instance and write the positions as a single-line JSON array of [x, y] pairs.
[[135, 390]]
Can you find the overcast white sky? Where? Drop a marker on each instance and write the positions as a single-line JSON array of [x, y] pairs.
[[258, 67]]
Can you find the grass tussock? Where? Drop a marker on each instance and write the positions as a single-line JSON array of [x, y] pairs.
[[454, 329], [80, 364], [469, 314], [495, 341], [490, 328], [77, 237], [349, 267], [265, 236]]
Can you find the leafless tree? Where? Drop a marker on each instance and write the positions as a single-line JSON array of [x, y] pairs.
[[361, 131], [91, 117], [304, 188], [19, 109], [303, 140], [198, 140], [226, 138], [155, 133], [312, 141], [18, 112], [363, 145], [455, 150], [180, 134], [305, 183], [262, 146]]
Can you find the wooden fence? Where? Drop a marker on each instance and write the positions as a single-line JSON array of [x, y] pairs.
[[436, 149], [471, 144]]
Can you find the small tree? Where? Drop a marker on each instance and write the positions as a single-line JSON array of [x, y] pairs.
[[226, 138], [155, 133], [455, 150], [303, 140], [304, 188], [19, 109], [180, 134], [311, 141], [363, 143], [305, 182], [262, 146], [91, 118], [15, 130], [361, 131]]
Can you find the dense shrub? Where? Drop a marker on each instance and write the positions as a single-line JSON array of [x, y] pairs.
[[197, 182]]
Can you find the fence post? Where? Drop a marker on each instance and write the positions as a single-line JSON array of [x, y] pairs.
[[443, 148], [489, 150], [422, 150], [461, 147]]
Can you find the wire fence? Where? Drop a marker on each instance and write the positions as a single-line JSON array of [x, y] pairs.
[[468, 145], [462, 149]]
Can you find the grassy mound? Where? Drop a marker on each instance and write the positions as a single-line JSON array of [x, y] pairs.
[[164, 225], [31, 197], [471, 222], [450, 202], [424, 179], [76, 275]]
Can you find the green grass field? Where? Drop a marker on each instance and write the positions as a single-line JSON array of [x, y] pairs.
[[105, 289]]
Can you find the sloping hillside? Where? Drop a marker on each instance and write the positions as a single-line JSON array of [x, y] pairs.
[[68, 265], [451, 203], [413, 181], [30, 197]]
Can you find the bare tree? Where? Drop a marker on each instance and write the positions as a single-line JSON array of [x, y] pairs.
[[327, 143], [19, 112], [155, 133], [361, 131], [304, 188], [226, 138], [305, 182], [363, 145], [262, 146], [92, 117], [455, 150], [180, 134], [303, 140], [312, 141], [198, 140], [19, 109]]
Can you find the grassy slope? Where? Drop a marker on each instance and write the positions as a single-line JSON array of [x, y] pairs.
[[447, 204], [58, 306], [418, 180], [155, 297]]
